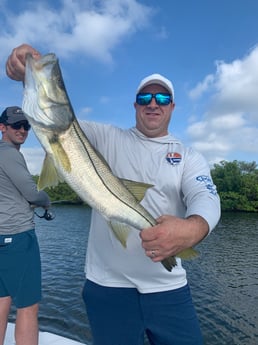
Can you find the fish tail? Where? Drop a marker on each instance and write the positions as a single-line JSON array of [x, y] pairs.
[[186, 254], [169, 263]]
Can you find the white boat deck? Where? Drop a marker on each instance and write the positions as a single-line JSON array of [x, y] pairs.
[[45, 338]]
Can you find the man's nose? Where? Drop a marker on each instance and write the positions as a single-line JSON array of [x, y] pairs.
[[153, 102]]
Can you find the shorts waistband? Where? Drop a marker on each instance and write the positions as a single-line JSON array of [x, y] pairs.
[[7, 239]]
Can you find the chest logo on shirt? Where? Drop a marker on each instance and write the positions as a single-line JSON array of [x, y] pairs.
[[173, 158]]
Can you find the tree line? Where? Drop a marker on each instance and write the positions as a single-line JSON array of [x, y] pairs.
[[237, 185], [236, 181]]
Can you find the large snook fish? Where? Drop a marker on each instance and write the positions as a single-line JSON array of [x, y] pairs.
[[71, 158]]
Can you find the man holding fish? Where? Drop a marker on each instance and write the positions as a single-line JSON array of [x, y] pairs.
[[135, 283]]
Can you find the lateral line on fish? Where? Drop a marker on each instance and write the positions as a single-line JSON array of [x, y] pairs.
[[75, 124]]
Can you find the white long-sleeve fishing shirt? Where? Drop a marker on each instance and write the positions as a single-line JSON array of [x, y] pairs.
[[182, 187]]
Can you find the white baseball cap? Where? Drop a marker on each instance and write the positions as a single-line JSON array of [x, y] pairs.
[[157, 79]]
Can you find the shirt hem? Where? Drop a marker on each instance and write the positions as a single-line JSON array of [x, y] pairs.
[[153, 289]]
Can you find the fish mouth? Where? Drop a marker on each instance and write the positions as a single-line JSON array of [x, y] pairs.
[[45, 100]]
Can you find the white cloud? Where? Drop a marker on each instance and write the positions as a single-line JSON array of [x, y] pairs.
[[77, 27], [229, 124], [201, 87]]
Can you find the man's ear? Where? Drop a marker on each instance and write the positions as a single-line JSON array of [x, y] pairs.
[[2, 127]]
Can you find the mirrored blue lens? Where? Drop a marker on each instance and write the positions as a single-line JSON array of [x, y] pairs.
[[160, 98]]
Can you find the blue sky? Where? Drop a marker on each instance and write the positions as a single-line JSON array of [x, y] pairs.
[[207, 48]]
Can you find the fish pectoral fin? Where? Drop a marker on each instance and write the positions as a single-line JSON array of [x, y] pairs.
[[48, 176], [188, 254], [121, 231], [169, 263], [138, 189], [61, 155]]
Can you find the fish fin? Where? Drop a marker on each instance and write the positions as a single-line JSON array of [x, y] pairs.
[[60, 153], [169, 263], [188, 254], [185, 254], [121, 231], [138, 189], [48, 176]]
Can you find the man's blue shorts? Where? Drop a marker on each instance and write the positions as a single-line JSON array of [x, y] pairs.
[[121, 316], [20, 268]]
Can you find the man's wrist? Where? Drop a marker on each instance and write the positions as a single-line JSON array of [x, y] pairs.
[[198, 228]]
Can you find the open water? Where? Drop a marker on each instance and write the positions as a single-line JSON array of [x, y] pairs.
[[223, 280]]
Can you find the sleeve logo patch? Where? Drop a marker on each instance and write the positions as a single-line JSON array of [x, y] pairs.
[[207, 181]]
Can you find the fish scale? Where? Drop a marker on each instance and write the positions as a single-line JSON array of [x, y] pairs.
[[101, 185]]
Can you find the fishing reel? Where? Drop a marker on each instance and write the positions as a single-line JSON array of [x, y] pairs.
[[48, 215]]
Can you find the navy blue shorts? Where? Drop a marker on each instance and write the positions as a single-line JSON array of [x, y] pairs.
[[20, 268], [122, 316]]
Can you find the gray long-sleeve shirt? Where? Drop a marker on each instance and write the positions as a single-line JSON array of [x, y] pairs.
[[18, 192]]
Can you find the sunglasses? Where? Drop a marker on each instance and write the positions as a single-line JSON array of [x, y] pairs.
[[19, 125], [160, 98]]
